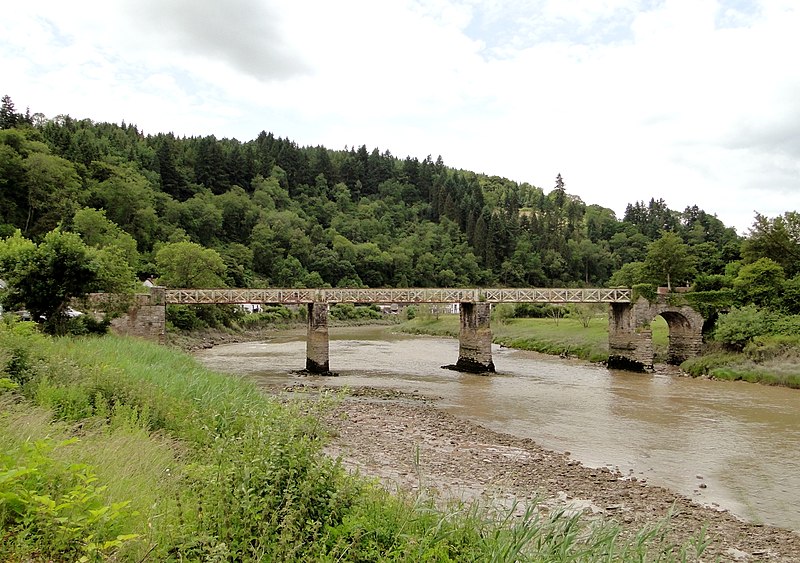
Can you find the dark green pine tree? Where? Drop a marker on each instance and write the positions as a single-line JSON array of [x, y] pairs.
[[8, 117], [172, 182]]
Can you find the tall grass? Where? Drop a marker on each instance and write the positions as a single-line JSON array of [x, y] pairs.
[[768, 359], [177, 463]]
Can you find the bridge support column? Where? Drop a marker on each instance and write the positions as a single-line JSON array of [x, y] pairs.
[[630, 340], [475, 339], [317, 348]]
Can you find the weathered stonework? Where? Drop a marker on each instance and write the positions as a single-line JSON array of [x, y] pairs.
[[145, 318], [475, 339], [317, 347], [630, 340]]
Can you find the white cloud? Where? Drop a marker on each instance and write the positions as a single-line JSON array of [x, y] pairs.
[[695, 102]]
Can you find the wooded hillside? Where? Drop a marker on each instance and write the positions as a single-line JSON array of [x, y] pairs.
[[283, 215]]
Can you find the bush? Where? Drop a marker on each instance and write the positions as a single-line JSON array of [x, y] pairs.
[[785, 324], [646, 290], [502, 312], [183, 317], [711, 302], [760, 283], [711, 282], [53, 509], [20, 346], [708, 363], [791, 295], [269, 315], [349, 312], [738, 327], [87, 325], [533, 310]]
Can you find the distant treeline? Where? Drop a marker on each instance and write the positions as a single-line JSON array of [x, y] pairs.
[[283, 215]]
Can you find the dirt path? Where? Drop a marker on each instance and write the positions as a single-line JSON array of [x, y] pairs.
[[406, 442]]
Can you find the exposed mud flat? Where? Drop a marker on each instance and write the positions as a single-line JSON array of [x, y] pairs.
[[407, 443]]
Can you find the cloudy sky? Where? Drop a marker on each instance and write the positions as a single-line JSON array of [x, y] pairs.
[[692, 101]]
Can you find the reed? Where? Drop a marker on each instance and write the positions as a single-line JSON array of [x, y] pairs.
[[177, 463]]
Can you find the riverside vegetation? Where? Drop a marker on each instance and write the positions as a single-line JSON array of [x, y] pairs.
[[119, 449]]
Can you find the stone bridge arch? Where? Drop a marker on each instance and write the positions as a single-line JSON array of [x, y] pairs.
[[630, 338]]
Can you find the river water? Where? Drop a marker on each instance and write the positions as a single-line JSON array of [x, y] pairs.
[[741, 440]]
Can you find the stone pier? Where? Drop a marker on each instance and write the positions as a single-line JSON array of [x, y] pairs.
[[475, 339], [317, 348]]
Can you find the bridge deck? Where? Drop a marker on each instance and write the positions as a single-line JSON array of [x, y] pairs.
[[408, 295]]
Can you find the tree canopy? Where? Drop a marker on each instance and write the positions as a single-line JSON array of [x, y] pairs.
[[46, 277], [268, 212]]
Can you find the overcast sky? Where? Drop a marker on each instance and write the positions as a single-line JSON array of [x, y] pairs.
[[692, 101]]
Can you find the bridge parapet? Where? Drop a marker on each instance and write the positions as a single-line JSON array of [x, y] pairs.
[[401, 295]]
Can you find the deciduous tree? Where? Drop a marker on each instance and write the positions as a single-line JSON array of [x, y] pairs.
[[45, 278], [187, 264], [668, 259]]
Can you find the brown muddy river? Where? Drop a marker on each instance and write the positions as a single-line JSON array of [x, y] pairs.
[[741, 440]]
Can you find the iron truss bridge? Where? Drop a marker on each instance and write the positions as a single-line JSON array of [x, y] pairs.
[[408, 295]]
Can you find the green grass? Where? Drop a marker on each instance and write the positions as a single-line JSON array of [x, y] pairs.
[[738, 367], [119, 449], [568, 337]]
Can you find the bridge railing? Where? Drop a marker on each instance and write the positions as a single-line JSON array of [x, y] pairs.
[[400, 295]]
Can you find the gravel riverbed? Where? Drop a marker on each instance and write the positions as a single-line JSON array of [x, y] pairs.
[[409, 444]]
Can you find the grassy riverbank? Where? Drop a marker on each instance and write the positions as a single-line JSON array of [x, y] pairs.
[[116, 448], [783, 370], [568, 337]]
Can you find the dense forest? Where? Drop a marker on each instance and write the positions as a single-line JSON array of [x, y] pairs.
[[208, 212]]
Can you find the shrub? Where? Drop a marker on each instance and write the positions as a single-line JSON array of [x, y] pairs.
[[267, 316], [182, 317], [760, 283], [708, 363], [785, 324], [791, 295], [738, 327], [348, 312], [53, 509], [646, 290], [532, 310], [712, 282], [502, 312], [711, 302]]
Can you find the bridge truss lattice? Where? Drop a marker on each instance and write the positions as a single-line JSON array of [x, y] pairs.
[[400, 295]]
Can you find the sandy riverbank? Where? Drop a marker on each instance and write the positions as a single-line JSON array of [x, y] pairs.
[[409, 444]]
